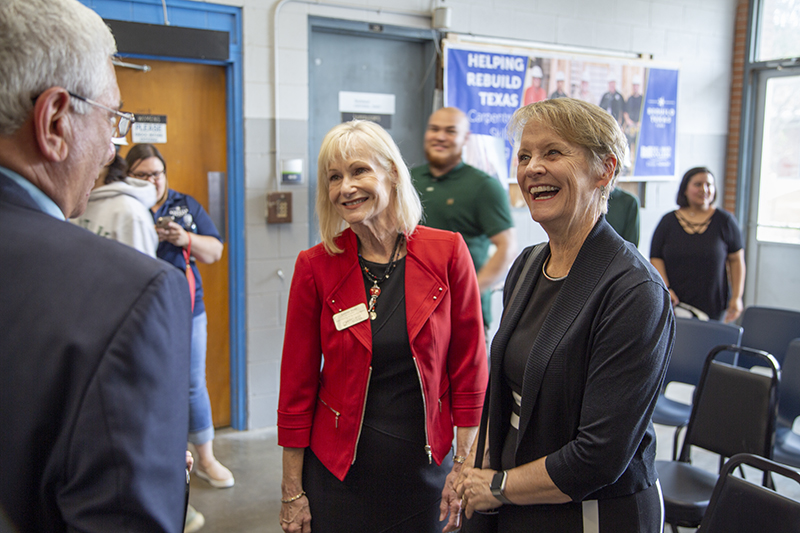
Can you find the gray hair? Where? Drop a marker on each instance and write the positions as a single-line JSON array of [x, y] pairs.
[[578, 122], [344, 141], [50, 43]]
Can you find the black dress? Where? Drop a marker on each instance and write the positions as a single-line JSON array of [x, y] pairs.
[[391, 486], [695, 262]]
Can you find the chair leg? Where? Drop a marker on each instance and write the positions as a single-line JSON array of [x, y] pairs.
[[674, 528], [675, 439], [768, 481]]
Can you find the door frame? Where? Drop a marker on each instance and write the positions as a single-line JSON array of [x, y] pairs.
[[357, 28], [748, 171], [753, 247], [205, 16]]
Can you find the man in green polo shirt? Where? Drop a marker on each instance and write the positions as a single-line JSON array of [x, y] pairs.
[[623, 214], [458, 197]]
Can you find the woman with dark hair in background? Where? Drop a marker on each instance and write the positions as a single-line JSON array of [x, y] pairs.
[[698, 250], [186, 233]]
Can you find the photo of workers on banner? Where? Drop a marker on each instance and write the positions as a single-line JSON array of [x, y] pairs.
[[489, 85]]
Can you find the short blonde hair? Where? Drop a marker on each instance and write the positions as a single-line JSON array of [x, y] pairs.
[[578, 122], [345, 141]]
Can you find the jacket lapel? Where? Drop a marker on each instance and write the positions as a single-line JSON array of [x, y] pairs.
[[499, 407], [514, 311], [349, 291], [590, 265], [424, 292]]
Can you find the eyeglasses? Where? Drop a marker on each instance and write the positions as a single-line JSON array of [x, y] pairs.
[[123, 120], [147, 175]]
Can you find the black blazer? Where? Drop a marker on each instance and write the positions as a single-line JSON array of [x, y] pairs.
[[94, 378], [593, 373]]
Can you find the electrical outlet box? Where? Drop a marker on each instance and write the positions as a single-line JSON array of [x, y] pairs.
[[279, 207]]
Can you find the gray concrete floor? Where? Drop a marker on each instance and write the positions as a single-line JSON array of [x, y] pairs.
[[253, 504]]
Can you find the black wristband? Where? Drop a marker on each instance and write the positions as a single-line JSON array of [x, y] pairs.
[[498, 486]]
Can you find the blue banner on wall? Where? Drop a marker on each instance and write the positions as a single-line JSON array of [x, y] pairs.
[[488, 87], [656, 147]]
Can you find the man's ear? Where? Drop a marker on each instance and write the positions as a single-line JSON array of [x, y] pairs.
[[53, 124]]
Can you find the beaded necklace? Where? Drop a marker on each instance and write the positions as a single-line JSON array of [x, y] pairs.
[[375, 290]]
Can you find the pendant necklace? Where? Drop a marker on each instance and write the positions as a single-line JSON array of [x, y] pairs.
[[375, 290]]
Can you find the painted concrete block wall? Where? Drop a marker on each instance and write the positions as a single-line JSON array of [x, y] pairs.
[[697, 36]]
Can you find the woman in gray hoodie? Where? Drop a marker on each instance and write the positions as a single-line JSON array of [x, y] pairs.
[[119, 208]]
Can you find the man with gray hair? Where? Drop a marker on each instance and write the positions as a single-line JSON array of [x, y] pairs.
[[94, 336]]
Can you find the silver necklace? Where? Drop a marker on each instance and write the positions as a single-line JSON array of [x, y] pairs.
[[544, 271]]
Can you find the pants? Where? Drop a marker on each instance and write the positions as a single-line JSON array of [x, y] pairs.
[[201, 428]]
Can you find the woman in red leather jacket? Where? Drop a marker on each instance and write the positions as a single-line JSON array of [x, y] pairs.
[[384, 353]]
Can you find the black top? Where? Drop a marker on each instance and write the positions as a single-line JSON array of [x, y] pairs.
[[394, 399], [519, 345], [695, 263]]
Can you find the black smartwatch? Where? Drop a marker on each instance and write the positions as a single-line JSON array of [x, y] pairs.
[[498, 486]]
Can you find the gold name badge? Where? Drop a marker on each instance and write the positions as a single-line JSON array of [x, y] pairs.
[[350, 317]]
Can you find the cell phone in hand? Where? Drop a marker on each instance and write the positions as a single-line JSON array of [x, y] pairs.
[[163, 222]]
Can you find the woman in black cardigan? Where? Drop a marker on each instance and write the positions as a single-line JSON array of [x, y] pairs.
[[581, 351]]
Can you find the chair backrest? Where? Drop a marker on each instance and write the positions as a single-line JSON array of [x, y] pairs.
[[694, 339], [789, 404], [738, 506], [770, 330], [734, 409]]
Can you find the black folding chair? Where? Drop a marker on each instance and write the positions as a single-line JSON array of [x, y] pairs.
[[787, 442], [694, 339], [734, 412], [739, 506], [768, 329]]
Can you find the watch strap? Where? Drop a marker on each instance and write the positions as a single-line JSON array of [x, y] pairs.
[[498, 486]]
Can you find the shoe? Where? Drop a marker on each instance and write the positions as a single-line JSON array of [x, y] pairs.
[[194, 520], [218, 483]]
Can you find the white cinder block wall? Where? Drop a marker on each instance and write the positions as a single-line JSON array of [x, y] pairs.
[[698, 36]]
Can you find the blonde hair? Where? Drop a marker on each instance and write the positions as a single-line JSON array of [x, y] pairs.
[[345, 141], [578, 122]]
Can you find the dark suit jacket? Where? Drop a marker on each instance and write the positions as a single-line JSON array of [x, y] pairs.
[[94, 378], [594, 371]]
